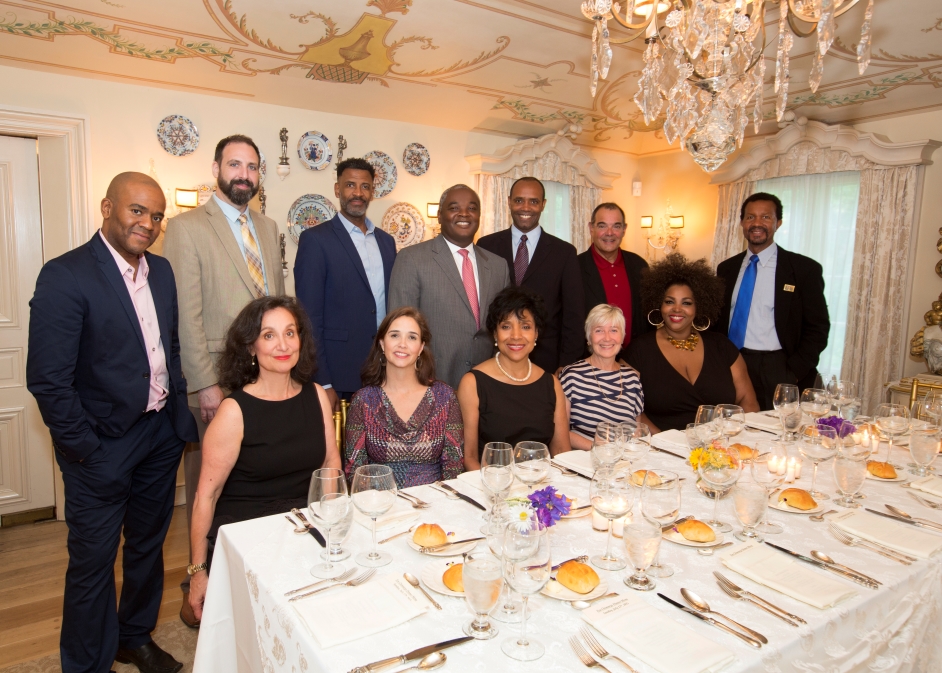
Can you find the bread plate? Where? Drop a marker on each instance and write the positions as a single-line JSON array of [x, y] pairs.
[[455, 549], [431, 576], [783, 507], [673, 535], [554, 589]]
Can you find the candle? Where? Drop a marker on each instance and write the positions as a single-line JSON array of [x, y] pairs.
[[797, 468], [792, 473], [600, 523]]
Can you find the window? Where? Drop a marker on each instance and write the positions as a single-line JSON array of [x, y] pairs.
[[819, 221], [556, 216]]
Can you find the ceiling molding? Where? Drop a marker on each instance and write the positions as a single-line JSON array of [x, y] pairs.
[[834, 137]]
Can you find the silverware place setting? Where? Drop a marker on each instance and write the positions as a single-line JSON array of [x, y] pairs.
[[356, 581], [450, 496], [843, 571], [850, 540], [744, 596], [423, 654], [701, 606], [297, 528], [417, 503], [347, 574], [597, 649], [752, 642], [439, 547], [924, 502], [393, 537]]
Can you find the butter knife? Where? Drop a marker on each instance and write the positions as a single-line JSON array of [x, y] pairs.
[[912, 522], [464, 497], [709, 620], [410, 656], [310, 529], [851, 575], [660, 450], [439, 547]]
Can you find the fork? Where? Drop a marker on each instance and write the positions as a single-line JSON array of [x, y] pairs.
[[925, 503], [356, 581], [600, 651], [732, 594], [416, 503], [852, 541], [345, 576], [584, 656]]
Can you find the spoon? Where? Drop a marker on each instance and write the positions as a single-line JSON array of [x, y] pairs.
[[708, 551], [700, 605], [818, 518], [821, 556], [393, 537], [429, 662], [297, 528], [582, 605], [925, 523], [414, 581]]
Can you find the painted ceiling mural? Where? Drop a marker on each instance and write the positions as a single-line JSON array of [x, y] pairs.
[[518, 67]]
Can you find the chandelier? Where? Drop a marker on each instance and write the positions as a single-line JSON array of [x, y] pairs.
[[705, 61]]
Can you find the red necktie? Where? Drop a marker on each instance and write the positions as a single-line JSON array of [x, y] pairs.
[[467, 277], [521, 260]]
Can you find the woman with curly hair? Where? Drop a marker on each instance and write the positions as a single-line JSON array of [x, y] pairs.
[[272, 431], [681, 365]]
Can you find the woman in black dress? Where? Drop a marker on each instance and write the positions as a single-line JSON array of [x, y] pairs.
[[272, 431], [681, 365], [508, 398]]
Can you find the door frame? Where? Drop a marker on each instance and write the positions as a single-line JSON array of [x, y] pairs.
[[65, 189]]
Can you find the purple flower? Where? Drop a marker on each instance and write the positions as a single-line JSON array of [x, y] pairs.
[[549, 505], [842, 427]]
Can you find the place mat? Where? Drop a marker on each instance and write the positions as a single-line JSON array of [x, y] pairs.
[[930, 484], [899, 536], [671, 439], [350, 613], [399, 514], [654, 638], [786, 575]]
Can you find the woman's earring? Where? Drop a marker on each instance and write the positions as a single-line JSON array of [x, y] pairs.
[[495, 343], [656, 324], [702, 329], [254, 362]]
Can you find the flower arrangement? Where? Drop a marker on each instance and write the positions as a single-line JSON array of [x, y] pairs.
[[708, 456], [547, 504], [842, 427]]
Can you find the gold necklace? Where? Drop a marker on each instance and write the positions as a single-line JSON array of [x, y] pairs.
[[688, 344], [621, 382]]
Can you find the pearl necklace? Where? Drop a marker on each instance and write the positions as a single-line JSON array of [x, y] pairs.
[[512, 378]]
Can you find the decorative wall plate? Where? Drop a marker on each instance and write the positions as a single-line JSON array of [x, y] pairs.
[[405, 224], [314, 150], [203, 192], [178, 135], [415, 159], [308, 211], [386, 174], [262, 167]]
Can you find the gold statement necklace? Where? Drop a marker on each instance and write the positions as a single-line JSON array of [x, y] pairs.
[[688, 344]]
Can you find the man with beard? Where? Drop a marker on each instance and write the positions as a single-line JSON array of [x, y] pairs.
[[341, 277], [452, 282], [774, 309], [224, 255]]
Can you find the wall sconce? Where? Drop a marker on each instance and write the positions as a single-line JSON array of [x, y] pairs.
[[431, 210], [666, 235], [676, 221], [647, 221], [186, 198]]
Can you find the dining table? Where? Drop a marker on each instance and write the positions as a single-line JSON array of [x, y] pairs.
[[249, 625]]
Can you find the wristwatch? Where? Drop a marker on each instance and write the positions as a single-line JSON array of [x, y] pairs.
[[193, 569]]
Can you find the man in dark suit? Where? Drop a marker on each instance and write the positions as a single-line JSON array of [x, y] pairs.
[[341, 278], [774, 309], [548, 266], [104, 366], [611, 275]]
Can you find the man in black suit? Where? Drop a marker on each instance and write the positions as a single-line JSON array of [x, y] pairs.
[[104, 367], [548, 266], [611, 275], [774, 309]]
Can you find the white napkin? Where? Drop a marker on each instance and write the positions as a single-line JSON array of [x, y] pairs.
[[786, 574], [399, 514], [762, 419], [350, 613], [654, 638], [930, 484], [899, 536], [579, 461], [473, 479], [671, 439]]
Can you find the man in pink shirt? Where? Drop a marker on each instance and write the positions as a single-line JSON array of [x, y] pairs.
[[104, 367]]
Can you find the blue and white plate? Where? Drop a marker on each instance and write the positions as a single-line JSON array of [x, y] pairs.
[[178, 135], [314, 150], [415, 159], [386, 175], [308, 211]]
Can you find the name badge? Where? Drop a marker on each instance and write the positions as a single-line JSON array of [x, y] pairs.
[[789, 288]]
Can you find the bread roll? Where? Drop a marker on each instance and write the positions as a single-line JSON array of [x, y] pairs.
[[811, 431], [429, 535], [696, 531], [637, 478], [577, 576], [745, 453], [881, 470], [453, 579], [797, 498]]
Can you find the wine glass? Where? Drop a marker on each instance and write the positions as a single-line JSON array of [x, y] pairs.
[[924, 447], [642, 542], [497, 474], [328, 504], [815, 402], [892, 420], [509, 611], [374, 493], [527, 566], [611, 496], [870, 440], [531, 463], [750, 500], [850, 471], [719, 468], [769, 470], [730, 419], [839, 391], [693, 437], [607, 447], [483, 581], [818, 443], [340, 532], [705, 414], [785, 402], [637, 438], [660, 503]]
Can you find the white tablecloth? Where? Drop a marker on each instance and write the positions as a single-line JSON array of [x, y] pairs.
[[248, 626]]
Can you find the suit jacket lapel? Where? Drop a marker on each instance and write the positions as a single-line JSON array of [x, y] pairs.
[[540, 255], [340, 231], [784, 274], [110, 270], [161, 304], [444, 259], [221, 226]]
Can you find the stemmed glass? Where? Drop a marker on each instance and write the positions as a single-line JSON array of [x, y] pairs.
[[705, 414], [840, 391], [607, 447], [769, 471], [924, 448], [750, 500], [693, 436], [328, 504], [637, 438], [660, 503], [374, 493], [850, 470], [818, 443], [497, 474], [785, 402], [642, 542], [719, 468], [531, 463], [815, 402], [893, 420], [527, 566], [611, 496], [730, 419], [483, 581], [509, 611]]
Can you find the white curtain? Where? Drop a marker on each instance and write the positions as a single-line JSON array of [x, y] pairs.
[[493, 190], [582, 201], [727, 238]]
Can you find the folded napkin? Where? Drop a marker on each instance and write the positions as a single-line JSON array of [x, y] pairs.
[[579, 461], [473, 479], [930, 484], [654, 638], [786, 574], [899, 536], [399, 514], [350, 613], [762, 419], [671, 439]]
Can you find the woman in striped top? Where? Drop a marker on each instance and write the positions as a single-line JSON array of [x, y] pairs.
[[599, 388]]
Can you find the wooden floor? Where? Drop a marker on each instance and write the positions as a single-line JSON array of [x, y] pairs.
[[33, 561]]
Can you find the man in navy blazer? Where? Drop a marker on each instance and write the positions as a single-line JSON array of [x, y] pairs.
[[104, 367], [341, 278]]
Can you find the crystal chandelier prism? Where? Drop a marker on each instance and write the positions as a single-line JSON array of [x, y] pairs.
[[703, 61]]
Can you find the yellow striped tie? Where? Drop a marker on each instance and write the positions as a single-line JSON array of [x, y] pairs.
[[252, 257]]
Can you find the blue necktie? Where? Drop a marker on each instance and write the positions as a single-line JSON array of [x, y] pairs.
[[737, 326]]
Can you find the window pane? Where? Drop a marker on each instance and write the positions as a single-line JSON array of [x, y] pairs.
[[555, 217]]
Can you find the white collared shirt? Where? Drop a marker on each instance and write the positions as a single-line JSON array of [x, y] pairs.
[[232, 216], [368, 249], [533, 237], [760, 329], [459, 262]]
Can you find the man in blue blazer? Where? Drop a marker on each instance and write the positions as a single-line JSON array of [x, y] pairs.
[[104, 367], [341, 278]]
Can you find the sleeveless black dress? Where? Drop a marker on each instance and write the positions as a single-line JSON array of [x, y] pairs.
[[509, 413]]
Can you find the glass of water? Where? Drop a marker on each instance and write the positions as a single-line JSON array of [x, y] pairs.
[[750, 501], [483, 581], [328, 504], [531, 463], [769, 470], [509, 610], [660, 503], [637, 441], [730, 419], [338, 535], [497, 476], [374, 493], [818, 443], [642, 542], [527, 567], [608, 445], [785, 402], [924, 447], [850, 471], [611, 496]]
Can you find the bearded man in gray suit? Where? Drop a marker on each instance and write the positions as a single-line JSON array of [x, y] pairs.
[[452, 282]]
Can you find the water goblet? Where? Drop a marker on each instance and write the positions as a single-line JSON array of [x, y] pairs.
[[924, 447], [818, 443], [750, 500], [483, 581], [785, 401], [328, 504], [719, 468], [850, 471], [374, 493], [607, 447], [339, 534], [637, 438], [660, 503], [527, 567], [693, 437], [839, 392], [611, 496], [642, 542], [893, 420], [815, 402], [730, 420], [706, 413], [531, 463], [769, 470], [509, 610], [870, 440], [497, 475]]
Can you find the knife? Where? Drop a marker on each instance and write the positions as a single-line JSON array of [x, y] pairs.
[[854, 576], [464, 497], [913, 522], [310, 529], [676, 455], [568, 471], [411, 656], [439, 547], [709, 620]]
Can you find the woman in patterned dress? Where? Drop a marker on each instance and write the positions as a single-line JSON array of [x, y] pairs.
[[403, 417]]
